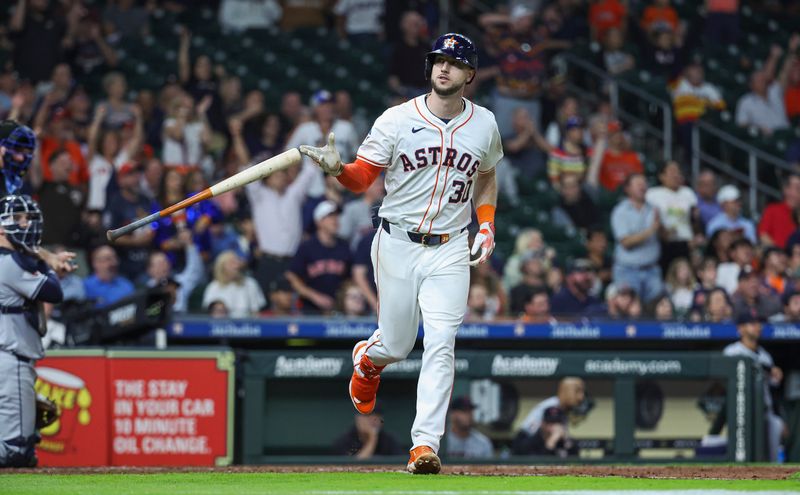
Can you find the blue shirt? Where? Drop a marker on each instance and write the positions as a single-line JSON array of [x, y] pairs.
[[627, 220], [722, 222], [707, 209], [565, 303], [105, 293]]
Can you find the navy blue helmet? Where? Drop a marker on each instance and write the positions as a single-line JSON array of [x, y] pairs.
[[18, 142], [456, 46], [21, 220]]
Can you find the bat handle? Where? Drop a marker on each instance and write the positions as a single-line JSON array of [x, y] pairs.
[[115, 234]]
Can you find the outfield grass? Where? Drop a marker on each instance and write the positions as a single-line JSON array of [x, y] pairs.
[[355, 483]]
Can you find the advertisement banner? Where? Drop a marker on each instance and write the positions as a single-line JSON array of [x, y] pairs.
[[171, 408], [76, 382]]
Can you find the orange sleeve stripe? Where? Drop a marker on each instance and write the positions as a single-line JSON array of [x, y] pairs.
[[485, 213], [359, 175], [371, 162]]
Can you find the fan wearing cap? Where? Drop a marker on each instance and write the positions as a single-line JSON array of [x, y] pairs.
[[570, 157], [730, 218], [367, 438], [321, 264], [575, 297], [749, 327], [315, 133], [463, 439], [618, 160], [551, 438], [754, 298]]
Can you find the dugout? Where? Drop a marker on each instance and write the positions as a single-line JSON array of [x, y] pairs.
[[294, 403]]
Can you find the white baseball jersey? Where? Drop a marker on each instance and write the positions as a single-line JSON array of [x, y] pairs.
[[431, 165]]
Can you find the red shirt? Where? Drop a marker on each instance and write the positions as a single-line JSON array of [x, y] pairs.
[[778, 223], [616, 167], [79, 174], [606, 14]]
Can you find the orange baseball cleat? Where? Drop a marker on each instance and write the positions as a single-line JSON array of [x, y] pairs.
[[423, 460], [365, 380]]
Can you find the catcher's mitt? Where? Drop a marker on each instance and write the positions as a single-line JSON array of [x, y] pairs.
[[46, 412]]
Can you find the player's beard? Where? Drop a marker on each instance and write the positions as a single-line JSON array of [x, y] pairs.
[[444, 92]]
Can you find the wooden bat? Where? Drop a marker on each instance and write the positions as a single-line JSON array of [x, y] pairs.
[[246, 176]]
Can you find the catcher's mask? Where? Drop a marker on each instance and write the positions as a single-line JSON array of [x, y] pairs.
[[18, 142], [21, 220], [456, 46]]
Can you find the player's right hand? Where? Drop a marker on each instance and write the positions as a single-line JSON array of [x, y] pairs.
[[326, 157]]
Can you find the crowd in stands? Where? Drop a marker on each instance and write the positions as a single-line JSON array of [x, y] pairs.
[[299, 243]]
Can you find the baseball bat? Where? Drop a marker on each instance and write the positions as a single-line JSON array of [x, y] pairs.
[[246, 176]]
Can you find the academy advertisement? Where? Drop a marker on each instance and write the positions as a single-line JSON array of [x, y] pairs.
[[77, 385], [138, 408]]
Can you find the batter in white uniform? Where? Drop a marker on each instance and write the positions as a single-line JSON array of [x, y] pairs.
[[439, 151]]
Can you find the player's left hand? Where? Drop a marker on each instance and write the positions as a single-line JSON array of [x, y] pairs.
[[326, 157], [484, 242]]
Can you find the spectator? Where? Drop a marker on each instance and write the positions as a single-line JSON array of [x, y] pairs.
[[485, 274], [521, 69], [533, 278], [790, 79], [357, 215], [124, 206], [406, 69], [681, 285], [571, 394], [315, 133], [570, 157], [160, 273], [537, 307], [791, 308], [217, 309], [241, 15], [129, 19], [616, 160], [763, 107], [718, 308], [663, 309], [605, 15], [363, 273], [239, 292], [367, 438], [105, 286], [343, 109], [752, 298], [186, 134], [86, 47], [522, 145], [722, 21], [350, 301], [719, 245], [321, 264], [61, 134], [464, 441], [622, 303], [576, 209], [664, 55], [529, 244], [660, 16], [597, 254], [614, 58], [152, 174], [778, 222], [731, 216], [707, 281], [359, 20], [478, 307], [691, 98], [304, 14], [61, 203], [774, 264], [574, 298], [676, 206], [551, 439], [200, 80], [282, 299], [705, 187], [38, 31], [793, 248], [740, 254], [749, 327], [635, 224], [117, 111], [293, 113]]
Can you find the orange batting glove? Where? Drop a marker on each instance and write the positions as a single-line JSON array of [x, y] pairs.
[[484, 242]]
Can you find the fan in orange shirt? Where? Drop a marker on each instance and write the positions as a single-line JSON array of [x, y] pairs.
[[660, 15], [618, 160], [607, 14]]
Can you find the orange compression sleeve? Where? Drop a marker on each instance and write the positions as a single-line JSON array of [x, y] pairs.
[[359, 175], [485, 213]]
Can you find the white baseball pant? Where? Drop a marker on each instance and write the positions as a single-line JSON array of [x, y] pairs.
[[413, 278]]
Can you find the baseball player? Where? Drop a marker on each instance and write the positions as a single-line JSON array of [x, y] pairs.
[[25, 280], [438, 152]]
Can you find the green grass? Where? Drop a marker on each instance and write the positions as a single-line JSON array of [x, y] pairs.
[[348, 483]]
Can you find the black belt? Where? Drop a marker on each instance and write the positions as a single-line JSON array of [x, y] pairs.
[[424, 239], [11, 310], [23, 358]]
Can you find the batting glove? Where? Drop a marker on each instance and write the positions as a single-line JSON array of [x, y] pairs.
[[326, 157], [484, 242]]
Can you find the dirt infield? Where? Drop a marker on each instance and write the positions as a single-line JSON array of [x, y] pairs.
[[653, 472]]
